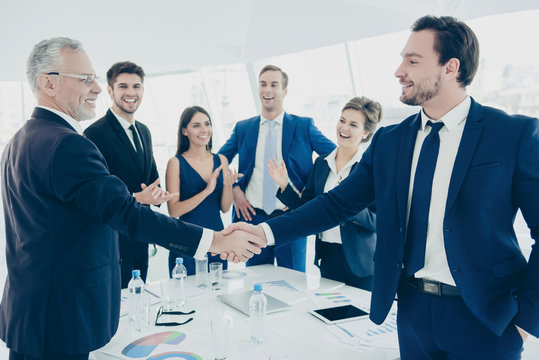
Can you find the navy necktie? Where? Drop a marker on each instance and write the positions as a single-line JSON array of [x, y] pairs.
[[416, 236], [138, 146]]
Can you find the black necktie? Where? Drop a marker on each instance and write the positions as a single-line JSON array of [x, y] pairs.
[[138, 146], [416, 236]]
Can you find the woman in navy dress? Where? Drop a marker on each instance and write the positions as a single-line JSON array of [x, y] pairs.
[[346, 252], [201, 178]]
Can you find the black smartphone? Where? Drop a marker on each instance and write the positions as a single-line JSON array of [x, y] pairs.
[[339, 314]]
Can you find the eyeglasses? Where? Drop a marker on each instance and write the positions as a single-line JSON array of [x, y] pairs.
[[161, 312], [88, 79]]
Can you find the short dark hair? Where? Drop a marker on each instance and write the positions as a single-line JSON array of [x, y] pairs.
[[453, 39], [185, 119], [123, 67], [275, 68], [370, 108]]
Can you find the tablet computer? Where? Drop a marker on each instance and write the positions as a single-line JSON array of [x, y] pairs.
[[338, 314]]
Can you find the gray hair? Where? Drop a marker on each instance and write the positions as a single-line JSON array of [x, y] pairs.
[[46, 57]]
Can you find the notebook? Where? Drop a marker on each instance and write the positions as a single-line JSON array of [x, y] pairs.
[[240, 301]]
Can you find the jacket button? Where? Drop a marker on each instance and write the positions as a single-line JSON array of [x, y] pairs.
[[455, 270], [448, 230]]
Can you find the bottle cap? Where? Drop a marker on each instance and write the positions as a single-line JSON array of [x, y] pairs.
[[179, 260], [135, 273], [258, 287]]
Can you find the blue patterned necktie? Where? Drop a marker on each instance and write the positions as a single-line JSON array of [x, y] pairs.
[[416, 236], [269, 187]]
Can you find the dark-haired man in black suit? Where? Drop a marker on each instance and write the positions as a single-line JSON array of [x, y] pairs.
[[126, 145]]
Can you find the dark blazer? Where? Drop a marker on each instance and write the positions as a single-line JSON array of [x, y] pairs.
[[358, 232], [110, 138], [62, 212], [496, 172], [300, 138]]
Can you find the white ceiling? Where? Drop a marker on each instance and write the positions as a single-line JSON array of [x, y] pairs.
[[182, 35]]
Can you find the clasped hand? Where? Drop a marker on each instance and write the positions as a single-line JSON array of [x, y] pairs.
[[239, 242]]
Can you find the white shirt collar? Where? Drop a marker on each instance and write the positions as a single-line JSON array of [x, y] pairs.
[[125, 124], [74, 123], [332, 156], [278, 119], [453, 118]]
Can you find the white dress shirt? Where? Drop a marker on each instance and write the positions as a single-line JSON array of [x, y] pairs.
[[436, 266], [125, 125], [253, 192], [333, 235]]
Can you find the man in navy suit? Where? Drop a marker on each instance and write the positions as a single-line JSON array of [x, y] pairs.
[[126, 145], [273, 134], [465, 290], [62, 210]]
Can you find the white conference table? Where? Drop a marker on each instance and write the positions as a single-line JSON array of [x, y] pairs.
[[291, 334]]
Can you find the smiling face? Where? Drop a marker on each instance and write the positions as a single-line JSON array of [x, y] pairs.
[[199, 130], [271, 92], [351, 129], [420, 73], [70, 95], [126, 94]]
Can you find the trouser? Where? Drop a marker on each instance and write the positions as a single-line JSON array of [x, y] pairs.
[[333, 265], [442, 327], [291, 255]]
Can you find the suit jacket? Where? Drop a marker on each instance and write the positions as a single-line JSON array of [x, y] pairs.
[[496, 172], [110, 138], [62, 210], [300, 138], [358, 232]]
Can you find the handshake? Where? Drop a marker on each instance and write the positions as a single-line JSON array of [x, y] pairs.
[[239, 242]]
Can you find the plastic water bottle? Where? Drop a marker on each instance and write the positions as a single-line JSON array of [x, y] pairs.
[[179, 273], [257, 306], [137, 302]]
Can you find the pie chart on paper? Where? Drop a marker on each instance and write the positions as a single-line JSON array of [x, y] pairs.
[[144, 346]]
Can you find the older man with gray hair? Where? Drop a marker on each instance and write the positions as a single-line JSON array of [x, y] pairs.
[[63, 211]]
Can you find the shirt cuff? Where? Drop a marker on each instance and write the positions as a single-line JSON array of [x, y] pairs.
[[269, 234], [293, 187], [204, 244]]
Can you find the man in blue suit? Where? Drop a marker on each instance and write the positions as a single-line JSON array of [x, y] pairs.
[[273, 134], [447, 248], [62, 212]]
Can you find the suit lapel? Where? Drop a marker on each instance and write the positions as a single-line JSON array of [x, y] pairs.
[[247, 147], [404, 165], [468, 143], [321, 175], [122, 136], [287, 135]]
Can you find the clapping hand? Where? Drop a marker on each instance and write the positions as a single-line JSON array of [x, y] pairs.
[[153, 194], [278, 172], [212, 183], [230, 177]]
